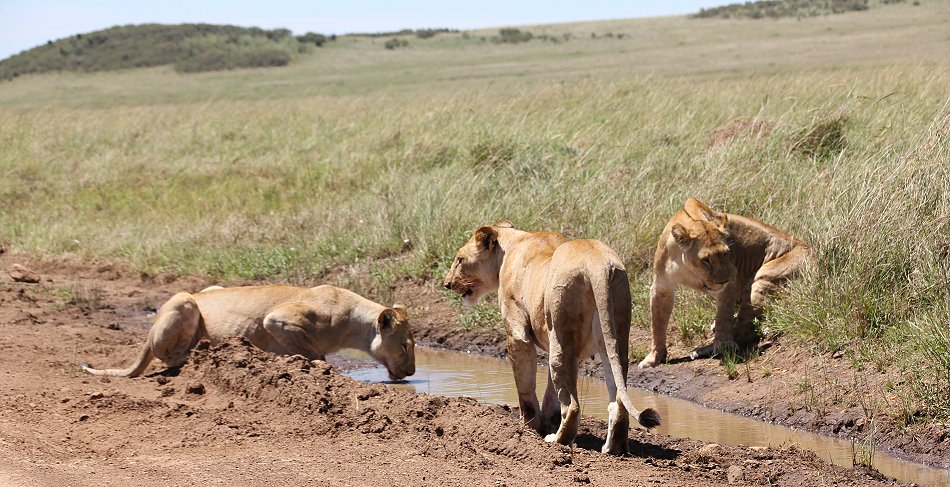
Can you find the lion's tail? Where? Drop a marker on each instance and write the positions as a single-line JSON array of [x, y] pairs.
[[134, 370], [612, 298]]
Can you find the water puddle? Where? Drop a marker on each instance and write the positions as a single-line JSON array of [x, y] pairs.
[[489, 380]]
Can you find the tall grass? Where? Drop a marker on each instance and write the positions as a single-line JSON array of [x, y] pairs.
[[288, 184]]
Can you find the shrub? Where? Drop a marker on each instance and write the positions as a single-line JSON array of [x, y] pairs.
[[312, 38], [396, 43], [783, 8], [823, 138], [513, 36]]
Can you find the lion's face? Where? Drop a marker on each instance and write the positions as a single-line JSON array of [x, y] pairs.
[[474, 272], [706, 253], [393, 345]]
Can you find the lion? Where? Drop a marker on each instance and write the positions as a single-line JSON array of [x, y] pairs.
[[572, 299], [311, 322], [736, 260]]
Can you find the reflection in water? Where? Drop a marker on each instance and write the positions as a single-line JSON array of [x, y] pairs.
[[489, 380]]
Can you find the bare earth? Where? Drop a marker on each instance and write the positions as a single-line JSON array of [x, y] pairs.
[[236, 416]]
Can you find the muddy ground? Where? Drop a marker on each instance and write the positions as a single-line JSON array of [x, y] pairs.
[[236, 416]]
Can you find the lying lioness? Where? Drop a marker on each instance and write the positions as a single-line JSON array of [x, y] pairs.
[[571, 298], [281, 319], [736, 260]]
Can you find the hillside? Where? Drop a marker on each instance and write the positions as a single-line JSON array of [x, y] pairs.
[[188, 47], [765, 9]]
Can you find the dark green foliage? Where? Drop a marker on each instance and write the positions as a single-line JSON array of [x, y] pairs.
[[492, 153], [396, 43], [784, 8], [823, 138], [427, 33], [189, 47], [312, 38], [513, 36], [420, 33]]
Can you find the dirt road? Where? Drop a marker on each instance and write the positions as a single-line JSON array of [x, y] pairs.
[[236, 416]]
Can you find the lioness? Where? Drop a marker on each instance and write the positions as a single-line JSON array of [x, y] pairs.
[[736, 260], [569, 297], [281, 319]]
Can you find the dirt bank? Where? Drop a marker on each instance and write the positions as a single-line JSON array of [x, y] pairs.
[[785, 384], [237, 416]]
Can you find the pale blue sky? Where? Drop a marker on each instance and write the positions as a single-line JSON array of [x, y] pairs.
[[27, 23]]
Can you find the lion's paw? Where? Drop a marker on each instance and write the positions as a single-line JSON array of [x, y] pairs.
[[652, 360]]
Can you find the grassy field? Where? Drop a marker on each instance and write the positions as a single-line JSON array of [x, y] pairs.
[[834, 128]]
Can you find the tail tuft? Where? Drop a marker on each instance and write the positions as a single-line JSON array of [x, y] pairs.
[[649, 418]]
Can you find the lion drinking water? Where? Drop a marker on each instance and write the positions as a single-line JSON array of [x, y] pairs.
[[281, 319]]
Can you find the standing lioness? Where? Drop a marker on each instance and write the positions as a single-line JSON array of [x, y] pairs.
[[736, 260], [571, 298], [281, 319]]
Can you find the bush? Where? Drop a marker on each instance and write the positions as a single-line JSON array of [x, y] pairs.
[[513, 36], [396, 43], [312, 38]]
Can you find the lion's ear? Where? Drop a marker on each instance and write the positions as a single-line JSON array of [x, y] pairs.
[[721, 222], [680, 234], [486, 237], [504, 224], [386, 321], [697, 210], [401, 311]]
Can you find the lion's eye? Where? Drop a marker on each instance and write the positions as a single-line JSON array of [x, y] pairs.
[[458, 261], [705, 261]]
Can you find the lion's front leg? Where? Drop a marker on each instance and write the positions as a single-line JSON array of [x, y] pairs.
[[662, 298], [288, 326], [524, 365]]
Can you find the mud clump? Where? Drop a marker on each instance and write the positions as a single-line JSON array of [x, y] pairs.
[[20, 273], [333, 404]]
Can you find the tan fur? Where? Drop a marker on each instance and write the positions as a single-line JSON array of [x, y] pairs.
[[572, 299], [736, 260], [281, 319]]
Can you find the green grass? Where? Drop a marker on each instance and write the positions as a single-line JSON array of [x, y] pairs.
[[286, 174], [484, 316]]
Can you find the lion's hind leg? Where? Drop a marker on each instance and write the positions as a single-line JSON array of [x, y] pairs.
[[170, 339], [568, 339], [618, 419], [768, 280], [564, 364], [175, 331]]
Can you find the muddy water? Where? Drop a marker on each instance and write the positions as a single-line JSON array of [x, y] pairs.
[[489, 380]]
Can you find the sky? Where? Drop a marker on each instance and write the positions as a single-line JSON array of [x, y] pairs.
[[25, 24]]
